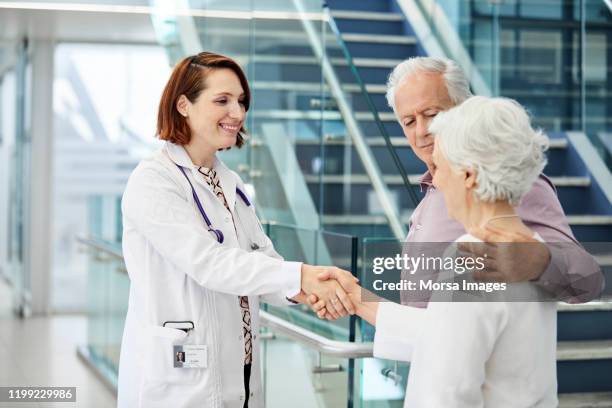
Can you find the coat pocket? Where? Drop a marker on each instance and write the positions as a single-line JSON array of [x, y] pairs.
[[159, 354]]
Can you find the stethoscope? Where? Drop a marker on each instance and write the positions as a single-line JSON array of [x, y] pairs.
[[218, 233]]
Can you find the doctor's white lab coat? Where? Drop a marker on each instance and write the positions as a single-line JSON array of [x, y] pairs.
[[179, 272]]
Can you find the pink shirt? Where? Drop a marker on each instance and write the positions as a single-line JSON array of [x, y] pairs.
[[573, 275]]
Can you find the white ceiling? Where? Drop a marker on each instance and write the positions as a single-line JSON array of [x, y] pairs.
[[61, 24]]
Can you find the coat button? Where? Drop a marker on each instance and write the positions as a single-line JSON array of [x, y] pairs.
[[251, 394], [242, 398], [240, 337]]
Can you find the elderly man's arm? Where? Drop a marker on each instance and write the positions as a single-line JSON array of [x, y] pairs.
[[562, 267]]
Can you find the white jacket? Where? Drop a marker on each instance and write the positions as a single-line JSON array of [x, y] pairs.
[[179, 272]]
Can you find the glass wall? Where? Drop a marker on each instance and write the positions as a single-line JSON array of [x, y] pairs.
[[102, 129], [550, 55]]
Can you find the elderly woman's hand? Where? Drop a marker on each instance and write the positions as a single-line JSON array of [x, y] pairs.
[[510, 256]]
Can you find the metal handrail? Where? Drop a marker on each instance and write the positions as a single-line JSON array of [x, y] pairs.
[[100, 246], [343, 349]]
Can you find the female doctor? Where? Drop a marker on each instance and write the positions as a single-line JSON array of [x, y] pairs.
[[198, 259]]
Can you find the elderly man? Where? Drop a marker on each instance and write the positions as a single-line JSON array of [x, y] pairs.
[[418, 89]]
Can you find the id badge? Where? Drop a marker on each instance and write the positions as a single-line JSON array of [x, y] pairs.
[[190, 356]]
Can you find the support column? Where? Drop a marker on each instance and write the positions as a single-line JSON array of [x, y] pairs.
[[39, 258]]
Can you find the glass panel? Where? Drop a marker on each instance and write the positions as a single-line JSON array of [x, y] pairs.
[[303, 379], [597, 76], [316, 380], [101, 131], [316, 248], [107, 294], [343, 173]]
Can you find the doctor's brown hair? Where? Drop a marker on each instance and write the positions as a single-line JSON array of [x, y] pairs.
[[189, 78]]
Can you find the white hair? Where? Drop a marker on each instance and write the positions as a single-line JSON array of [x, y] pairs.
[[457, 84], [494, 137]]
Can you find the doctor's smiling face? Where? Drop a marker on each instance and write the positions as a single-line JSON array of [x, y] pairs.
[[218, 113]]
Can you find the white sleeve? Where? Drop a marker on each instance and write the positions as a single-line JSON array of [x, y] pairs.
[[397, 329], [154, 205], [449, 364]]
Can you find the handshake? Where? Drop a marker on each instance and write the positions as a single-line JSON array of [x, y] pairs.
[[331, 292]]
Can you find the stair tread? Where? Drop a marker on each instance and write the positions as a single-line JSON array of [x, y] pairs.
[[386, 116], [604, 304], [366, 219], [414, 178], [379, 38], [367, 15], [584, 350], [311, 60], [555, 143], [586, 400]]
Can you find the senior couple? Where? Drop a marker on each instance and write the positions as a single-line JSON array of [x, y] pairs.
[[199, 262], [484, 183]]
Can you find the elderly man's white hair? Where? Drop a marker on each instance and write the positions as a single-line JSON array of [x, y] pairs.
[[457, 84], [494, 137]]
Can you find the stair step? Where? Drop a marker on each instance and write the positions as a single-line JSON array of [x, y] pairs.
[[330, 115], [366, 15], [310, 60], [414, 178], [586, 400], [367, 219], [602, 305], [379, 38], [589, 219], [314, 86], [584, 350], [399, 141]]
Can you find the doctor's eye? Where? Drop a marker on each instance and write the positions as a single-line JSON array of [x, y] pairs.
[[221, 101]]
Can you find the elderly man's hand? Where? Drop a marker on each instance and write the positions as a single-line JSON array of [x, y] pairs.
[[506, 261]]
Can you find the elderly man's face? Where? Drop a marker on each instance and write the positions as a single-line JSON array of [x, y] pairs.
[[418, 99]]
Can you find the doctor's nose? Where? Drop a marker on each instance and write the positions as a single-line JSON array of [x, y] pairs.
[[237, 111]]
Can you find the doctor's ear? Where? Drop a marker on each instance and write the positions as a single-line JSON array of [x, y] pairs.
[[182, 106]]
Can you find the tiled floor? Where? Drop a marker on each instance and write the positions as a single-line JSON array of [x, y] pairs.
[[41, 351]]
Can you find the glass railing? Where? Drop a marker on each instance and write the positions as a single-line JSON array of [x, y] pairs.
[[550, 55], [331, 363], [311, 120], [107, 293]]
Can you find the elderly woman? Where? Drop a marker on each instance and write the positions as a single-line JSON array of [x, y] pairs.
[[476, 354]]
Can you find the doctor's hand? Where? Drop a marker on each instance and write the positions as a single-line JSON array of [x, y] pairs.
[[328, 292], [348, 283]]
